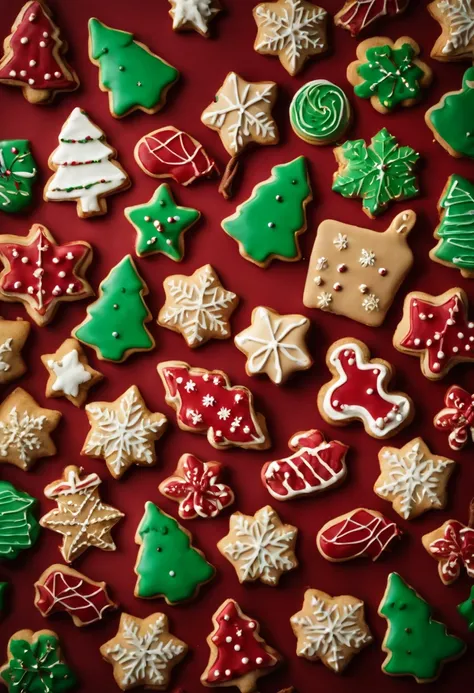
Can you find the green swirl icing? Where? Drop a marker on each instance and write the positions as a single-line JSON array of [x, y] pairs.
[[320, 111]]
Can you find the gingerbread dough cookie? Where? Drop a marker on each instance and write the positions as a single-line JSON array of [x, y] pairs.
[[452, 545], [456, 18], [194, 15], [13, 335], [70, 374]]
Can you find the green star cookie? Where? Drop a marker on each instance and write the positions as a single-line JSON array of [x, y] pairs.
[[466, 609], [161, 224]]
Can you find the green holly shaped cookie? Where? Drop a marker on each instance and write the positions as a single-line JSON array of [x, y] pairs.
[[161, 224], [17, 175], [19, 528], [466, 609]]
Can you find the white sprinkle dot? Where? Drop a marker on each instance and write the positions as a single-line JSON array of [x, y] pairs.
[[24, 40]]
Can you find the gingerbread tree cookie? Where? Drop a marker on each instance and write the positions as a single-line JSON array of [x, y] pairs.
[[70, 374], [17, 175], [194, 15], [450, 119], [19, 528], [357, 15], [13, 335], [456, 17], [457, 417]]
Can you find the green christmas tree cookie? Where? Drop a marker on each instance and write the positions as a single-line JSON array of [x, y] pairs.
[[161, 224], [115, 324], [35, 664], [268, 224], [19, 528], [466, 609], [17, 175], [379, 173], [416, 644], [168, 565], [452, 119], [135, 77]]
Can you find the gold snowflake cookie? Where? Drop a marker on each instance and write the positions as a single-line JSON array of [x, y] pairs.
[[70, 375], [13, 335]]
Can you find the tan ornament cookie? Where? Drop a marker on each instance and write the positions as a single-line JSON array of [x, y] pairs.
[[25, 429], [357, 272], [456, 18], [70, 374], [332, 629], [123, 432], [143, 652], [452, 545], [81, 516], [197, 306], [260, 547], [275, 344], [413, 478], [193, 15], [294, 30], [13, 335]]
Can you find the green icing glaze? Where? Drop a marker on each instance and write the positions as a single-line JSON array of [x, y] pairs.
[[19, 529], [266, 224], [466, 609], [320, 111], [161, 224], [135, 77], [17, 175], [390, 74], [37, 667], [456, 229], [168, 565], [453, 119], [378, 173], [115, 322], [417, 645]]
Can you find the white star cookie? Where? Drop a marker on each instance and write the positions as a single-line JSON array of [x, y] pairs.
[[70, 375], [193, 14]]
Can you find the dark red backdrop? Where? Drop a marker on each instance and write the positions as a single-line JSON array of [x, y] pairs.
[[203, 65]]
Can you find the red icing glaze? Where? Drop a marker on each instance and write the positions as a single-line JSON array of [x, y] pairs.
[[443, 332], [199, 493], [37, 269], [232, 632], [33, 58], [457, 417], [73, 594], [316, 465], [361, 533], [456, 549], [175, 154], [360, 13], [228, 419]]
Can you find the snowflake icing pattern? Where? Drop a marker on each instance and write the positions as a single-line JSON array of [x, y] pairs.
[[367, 258], [19, 432], [461, 24], [371, 303]]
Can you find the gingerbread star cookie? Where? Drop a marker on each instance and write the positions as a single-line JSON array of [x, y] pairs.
[[413, 478], [81, 516], [260, 547], [294, 30], [13, 335], [332, 629], [456, 18], [274, 344], [193, 15], [70, 375], [197, 306]]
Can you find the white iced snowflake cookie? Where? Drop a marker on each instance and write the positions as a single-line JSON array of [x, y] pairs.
[[193, 14], [70, 375], [456, 18]]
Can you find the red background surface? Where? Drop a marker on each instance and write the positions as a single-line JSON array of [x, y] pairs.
[[203, 65]]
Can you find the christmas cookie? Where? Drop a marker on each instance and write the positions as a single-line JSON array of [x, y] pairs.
[[314, 467], [70, 375], [413, 478], [25, 430], [466, 609], [359, 391], [19, 528], [389, 74], [35, 664], [41, 273], [115, 323], [357, 272], [332, 629], [123, 432], [416, 644], [17, 174], [275, 344], [450, 120], [34, 56], [359, 533], [357, 15], [267, 225], [437, 330], [379, 174], [85, 167], [260, 546], [457, 418], [452, 545], [456, 18], [320, 112], [294, 30], [196, 486], [206, 403], [168, 565], [172, 153], [135, 77], [60, 588], [239, 656], [13, 335], [143, 652], [161, 224], [81, 516], [197, 306], [193, 15]]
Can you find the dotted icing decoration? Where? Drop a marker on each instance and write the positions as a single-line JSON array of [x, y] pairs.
[[320, 112]]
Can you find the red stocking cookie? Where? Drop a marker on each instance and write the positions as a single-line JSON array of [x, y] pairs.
[[457, 418]]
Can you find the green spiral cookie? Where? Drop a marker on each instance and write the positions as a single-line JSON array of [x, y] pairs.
[[320, 112]]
